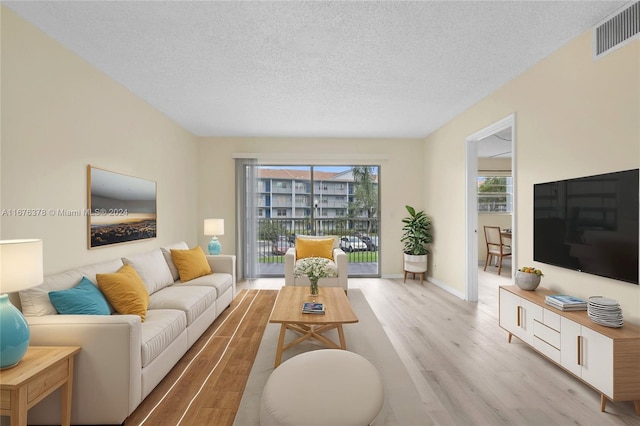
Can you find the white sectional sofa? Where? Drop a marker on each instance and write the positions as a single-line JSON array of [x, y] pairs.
[[124, 358]]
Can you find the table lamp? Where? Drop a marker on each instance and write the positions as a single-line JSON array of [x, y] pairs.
[[20, 268], [214, 227]]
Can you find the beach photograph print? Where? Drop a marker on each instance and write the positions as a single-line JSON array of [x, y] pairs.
[[122, 208]]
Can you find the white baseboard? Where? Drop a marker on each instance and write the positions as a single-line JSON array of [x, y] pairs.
[[440, 284], [392, 276], [446, 288]]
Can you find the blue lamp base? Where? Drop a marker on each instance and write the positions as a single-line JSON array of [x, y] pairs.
[[214, 246], [14, 334]]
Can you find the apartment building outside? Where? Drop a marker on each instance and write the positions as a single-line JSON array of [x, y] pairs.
[[323, 198]]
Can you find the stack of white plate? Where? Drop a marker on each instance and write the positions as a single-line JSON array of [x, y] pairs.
[[605, 311]]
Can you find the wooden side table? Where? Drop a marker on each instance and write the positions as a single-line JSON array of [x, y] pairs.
[[42, 370]]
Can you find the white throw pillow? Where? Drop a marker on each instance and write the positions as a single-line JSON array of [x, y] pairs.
[[107, 267], [166, 252], [152, 268], [35, 301]]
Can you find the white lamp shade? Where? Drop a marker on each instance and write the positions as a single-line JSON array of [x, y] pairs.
[[20, 264], [214, 227]]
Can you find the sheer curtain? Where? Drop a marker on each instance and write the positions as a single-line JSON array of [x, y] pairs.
[[246, 208]]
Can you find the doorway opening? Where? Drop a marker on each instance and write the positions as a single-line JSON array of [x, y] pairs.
[[490, 192]]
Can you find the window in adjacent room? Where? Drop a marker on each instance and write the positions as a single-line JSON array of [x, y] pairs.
[[495, 194]]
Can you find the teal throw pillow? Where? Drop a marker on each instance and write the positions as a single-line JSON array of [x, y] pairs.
[[83, 299]]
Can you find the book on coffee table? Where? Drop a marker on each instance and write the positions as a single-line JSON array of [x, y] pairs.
[[313, 308]]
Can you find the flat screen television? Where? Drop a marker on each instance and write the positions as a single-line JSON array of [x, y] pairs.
[[589, 224]]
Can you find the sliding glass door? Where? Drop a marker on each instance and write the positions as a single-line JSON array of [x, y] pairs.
[[281, 202]]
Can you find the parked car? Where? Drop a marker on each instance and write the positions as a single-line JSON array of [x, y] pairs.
[[280, 247], [371, 242], [352, 244]]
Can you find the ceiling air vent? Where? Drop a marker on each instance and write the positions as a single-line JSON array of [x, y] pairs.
[[616, 30]]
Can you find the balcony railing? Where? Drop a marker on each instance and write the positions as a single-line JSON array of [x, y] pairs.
[[277, 235]]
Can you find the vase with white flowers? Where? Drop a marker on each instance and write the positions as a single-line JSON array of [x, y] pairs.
[[314, 268]]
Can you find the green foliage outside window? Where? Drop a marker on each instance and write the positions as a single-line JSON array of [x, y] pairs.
[[495, 194]]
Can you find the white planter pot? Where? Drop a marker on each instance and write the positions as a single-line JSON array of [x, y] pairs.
[[417, 264]]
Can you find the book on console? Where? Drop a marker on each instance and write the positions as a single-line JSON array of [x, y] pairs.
[[564, 299], [565, 302], [568, 308], [313, 308]]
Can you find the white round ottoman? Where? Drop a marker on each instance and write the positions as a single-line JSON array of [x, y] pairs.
[[322, 387]]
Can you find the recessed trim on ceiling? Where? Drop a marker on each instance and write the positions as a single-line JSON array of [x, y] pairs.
[[288, 158]]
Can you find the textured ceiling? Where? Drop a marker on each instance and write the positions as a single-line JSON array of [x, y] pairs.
[[313, 69]]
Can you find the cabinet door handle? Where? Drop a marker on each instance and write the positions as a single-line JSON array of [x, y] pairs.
[[579, 342], [518, 315]]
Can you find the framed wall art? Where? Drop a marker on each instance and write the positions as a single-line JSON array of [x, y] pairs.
[[121, 208]]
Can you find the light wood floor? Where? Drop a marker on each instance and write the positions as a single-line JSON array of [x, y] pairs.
[[462, 366]]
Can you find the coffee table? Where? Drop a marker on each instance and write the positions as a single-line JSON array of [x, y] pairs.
[[288, 312]]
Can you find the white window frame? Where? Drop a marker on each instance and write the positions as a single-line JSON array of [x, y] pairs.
[[508, 194]]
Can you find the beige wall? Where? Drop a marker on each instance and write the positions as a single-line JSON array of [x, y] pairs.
[[574, 117], [401, 177], [60, 114]]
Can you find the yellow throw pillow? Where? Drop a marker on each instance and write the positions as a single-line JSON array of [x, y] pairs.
[[314, 247], [191, 263], [126, 291]]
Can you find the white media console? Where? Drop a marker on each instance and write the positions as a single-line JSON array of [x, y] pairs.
[[607, 359]]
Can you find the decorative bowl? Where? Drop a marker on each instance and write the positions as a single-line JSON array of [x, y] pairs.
[[527, 281]]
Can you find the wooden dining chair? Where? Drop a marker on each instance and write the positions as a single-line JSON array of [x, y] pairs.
[[496, 248]]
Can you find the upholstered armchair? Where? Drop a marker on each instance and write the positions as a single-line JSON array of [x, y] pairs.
[[308, 245]]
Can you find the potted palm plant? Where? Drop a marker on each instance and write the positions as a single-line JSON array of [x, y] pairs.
[[416, 237]]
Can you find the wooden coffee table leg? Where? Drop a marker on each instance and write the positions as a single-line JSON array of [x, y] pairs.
[[343, 343], [283, 330]]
